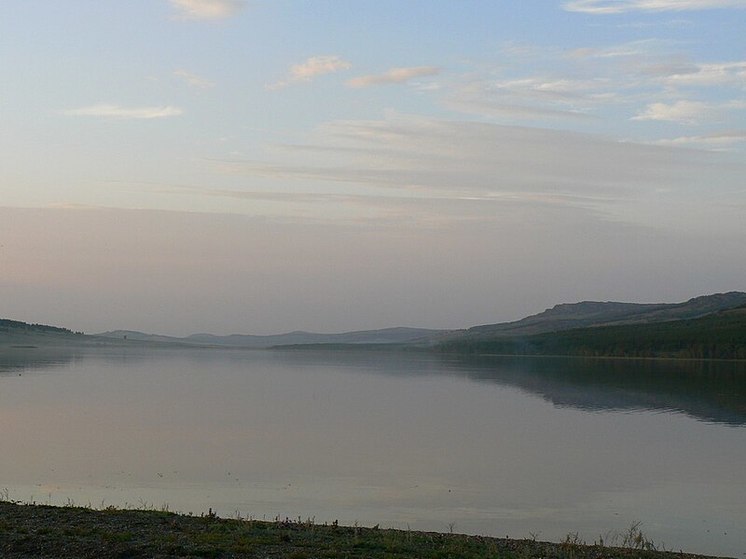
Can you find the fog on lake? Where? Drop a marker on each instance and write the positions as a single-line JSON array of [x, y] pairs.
[[497, 446]]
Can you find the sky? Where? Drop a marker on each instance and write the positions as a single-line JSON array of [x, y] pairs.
[[262, 166]]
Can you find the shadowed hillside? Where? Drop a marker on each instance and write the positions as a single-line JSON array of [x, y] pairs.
[[720, 335], [567, 316]]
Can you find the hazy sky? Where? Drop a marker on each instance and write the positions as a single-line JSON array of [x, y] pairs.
[[178, 166]]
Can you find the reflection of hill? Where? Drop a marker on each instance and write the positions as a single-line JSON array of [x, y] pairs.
[[712, 391], [18, 360], [707, 390]]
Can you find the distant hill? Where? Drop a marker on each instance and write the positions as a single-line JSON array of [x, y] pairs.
[[16, 326], [134, 336], [568, 316], [14, 333], [717, 335], [711, 326], [385, 336]]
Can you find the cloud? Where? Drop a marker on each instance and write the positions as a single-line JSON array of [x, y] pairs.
[[529, 98], [688, 112], [674, 23], [648, 80], [574, 85], [714, 140], [642, 48], [671, 68], [194, 80], [312, 68], [124, 113], [707, 75], [439, 173], [621, 6], [394, 76], [683, 112], [206, 9], [431, 157]]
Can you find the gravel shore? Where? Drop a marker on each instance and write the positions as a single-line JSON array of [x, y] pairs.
[[37, 531]]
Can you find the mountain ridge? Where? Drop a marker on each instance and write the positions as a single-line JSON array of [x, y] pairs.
[[393, 335], [717, 335], [559, 318], [583, 314]]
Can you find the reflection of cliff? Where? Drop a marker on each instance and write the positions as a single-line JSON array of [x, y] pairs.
[[17, 360], [712, 391]]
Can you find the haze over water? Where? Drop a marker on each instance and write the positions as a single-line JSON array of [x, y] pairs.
[[492, 446]]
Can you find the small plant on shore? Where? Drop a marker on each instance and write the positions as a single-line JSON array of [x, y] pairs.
[[635, 539], [571, 545], [573, 539]]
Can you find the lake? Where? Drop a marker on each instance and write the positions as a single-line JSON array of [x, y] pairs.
[[519, 447]]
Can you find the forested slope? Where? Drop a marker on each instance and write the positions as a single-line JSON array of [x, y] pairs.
[[720, 335]]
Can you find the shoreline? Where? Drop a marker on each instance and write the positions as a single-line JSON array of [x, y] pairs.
[[44, 531]]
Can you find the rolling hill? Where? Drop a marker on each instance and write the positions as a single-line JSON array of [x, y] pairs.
[[717, 335], [395, 335], [568, 316], [710, 326]]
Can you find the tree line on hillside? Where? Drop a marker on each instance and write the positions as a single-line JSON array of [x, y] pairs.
[[720, 336], [7, 325]]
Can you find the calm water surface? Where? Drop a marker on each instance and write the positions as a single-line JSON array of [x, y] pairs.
[[516, 447]]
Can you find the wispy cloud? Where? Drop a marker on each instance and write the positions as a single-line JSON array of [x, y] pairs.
[[621, 6], [632, 49], [530, 98], [638, 81], [436, 171], [715, 140], [312, 68], [124, 113], [426, 155], [670, 69], [206, 9], [394, 76], [710, 74], [575, 85], [688, 112], [194, 80], [683, 112], [420, 209], [677, 23]]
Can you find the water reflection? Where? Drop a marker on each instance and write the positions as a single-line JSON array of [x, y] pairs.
[[17, 360], [496, 445], [710, 391]]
